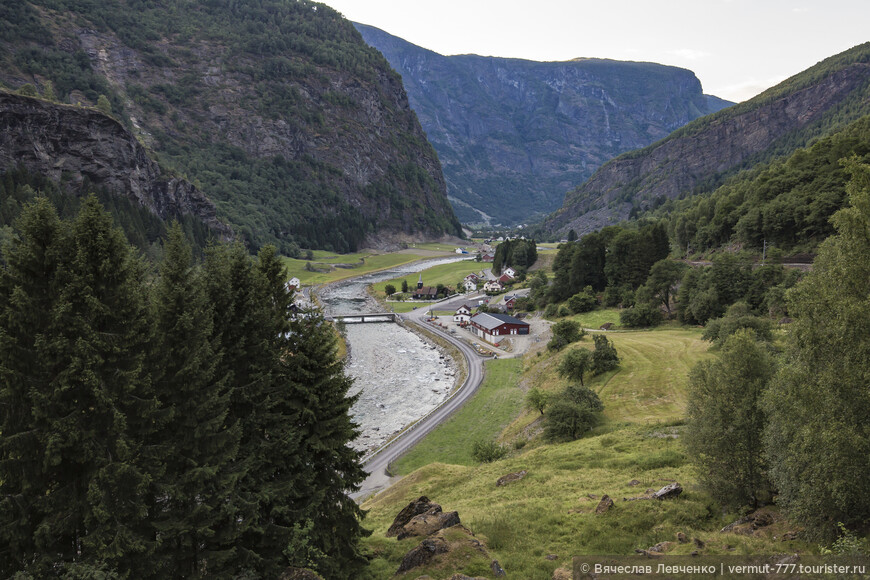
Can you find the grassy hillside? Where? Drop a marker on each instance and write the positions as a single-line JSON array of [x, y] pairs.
[[551, 510]]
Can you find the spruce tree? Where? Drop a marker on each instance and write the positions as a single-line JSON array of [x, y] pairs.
[[28, 297], [197, 443]]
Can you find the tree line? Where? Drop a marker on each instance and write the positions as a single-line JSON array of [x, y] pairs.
[[172, 425], [793, 424]]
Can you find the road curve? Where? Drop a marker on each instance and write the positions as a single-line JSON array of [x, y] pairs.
[[376, 465]]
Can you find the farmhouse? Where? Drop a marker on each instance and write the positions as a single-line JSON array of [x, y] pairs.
[[492, 286], [491, 327], [510, 301], [470, 285], [463, 314], [293, 284], [505, 279], [510, 272]]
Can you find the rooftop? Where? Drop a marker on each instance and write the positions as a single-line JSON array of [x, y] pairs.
[[490, 320]]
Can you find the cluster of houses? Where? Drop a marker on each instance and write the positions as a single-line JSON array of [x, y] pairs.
[[508, 276], [488, 326]]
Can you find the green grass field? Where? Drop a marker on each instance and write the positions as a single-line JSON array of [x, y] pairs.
[[371, 263], [551, 511], [447, 274], [482, 418]]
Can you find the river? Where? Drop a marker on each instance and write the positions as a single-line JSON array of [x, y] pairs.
[[398, 376]]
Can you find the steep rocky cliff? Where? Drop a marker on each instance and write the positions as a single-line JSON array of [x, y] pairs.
[[699, 156], [514, 135], [300, 133], [72, 144]]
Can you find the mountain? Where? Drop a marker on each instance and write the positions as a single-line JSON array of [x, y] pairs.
[[76, 145], [702, 155], [278, 111], [514, 135]]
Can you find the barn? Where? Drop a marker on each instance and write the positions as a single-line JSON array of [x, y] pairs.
[[492, 327]]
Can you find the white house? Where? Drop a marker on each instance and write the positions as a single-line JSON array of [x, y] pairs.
[[463, 314], [293, 284], [492, 286], [470, 285], [510, 272]]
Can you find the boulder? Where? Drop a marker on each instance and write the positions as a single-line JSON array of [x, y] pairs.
[[682, 538], [669, 491], [747, 525], [510, 477], [416, 507], [633, 483], [422, 554], [428, 523], [606, 326], [661, 547], [605, 504], [497, 570]]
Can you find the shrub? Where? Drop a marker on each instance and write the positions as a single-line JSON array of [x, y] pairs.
[[565, 332], [487, 451], [564, 311], [641, 315], [551, 311], [604, 357], [582, 302], [567, 421]]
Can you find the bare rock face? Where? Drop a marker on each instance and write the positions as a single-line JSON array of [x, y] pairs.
[[416, 507], [724, 143], [75, 143], [428, 523]]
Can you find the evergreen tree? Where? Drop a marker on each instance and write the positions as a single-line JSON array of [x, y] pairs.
[[28, 297], [818, 405], [81, 489], [326, 428], [192, 492]]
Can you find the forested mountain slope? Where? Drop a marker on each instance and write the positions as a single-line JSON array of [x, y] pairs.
[[701, 155], [278, 111], [515, 135]]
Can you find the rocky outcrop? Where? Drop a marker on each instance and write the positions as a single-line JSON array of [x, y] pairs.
[[419, 506], [72, 144], [777, 122], [428, 523], [669, 491], [299, 132], [604, 505], [515, 135]]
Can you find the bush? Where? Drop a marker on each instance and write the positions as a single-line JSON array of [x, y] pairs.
[[567, 421], [582, 302], [604, 357], [565, 332], [487, 451], [737, 317], [564, 311], [584, 396], [389, 289], [551, 311], [641, 315]]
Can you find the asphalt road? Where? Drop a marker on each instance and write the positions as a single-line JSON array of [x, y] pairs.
[[376, 465]]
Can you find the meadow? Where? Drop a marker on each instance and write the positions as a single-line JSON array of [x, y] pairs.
[[551, 511]]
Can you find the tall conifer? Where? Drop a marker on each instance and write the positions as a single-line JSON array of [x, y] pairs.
[[195, 440]]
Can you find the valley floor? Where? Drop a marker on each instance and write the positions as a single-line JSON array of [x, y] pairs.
[[535, 526]]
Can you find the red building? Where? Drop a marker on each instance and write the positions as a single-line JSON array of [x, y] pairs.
[[492, 327]]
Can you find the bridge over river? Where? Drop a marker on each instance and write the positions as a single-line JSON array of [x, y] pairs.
[[361, 318]]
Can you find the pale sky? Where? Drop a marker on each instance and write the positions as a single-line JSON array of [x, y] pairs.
[[737, 48]]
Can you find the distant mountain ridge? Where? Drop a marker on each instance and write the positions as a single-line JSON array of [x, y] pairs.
[[514, 135], [298, 131], [700, 156]]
